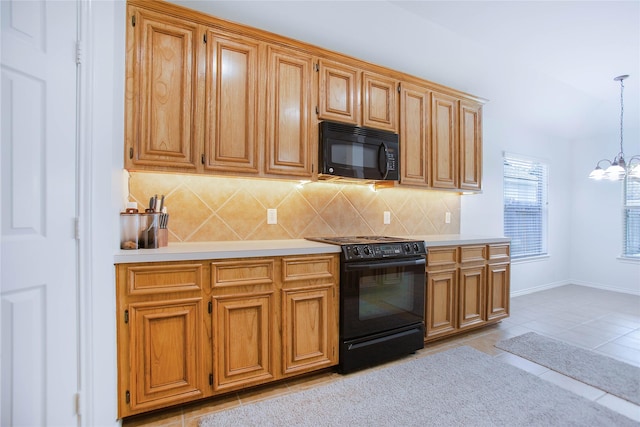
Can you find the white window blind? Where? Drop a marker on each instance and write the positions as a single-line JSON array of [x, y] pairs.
[[631, 218], [525, 206]]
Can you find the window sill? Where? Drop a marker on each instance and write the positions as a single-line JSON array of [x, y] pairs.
[[629, 259], [524, 260]]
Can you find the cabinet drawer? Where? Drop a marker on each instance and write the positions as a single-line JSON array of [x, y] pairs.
[[170, 278], [472, 253], [441, 256], [500, 252], [242, 273], [309, 268]]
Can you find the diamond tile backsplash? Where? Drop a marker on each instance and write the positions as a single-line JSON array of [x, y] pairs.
[[207, 208]]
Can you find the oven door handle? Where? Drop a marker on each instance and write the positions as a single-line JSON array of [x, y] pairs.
[[384, 264]]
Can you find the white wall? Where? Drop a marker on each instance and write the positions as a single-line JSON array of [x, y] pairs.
[[106, 34], [482, 213], [596, 221]]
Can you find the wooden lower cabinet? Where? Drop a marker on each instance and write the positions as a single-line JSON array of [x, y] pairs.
[[190, 330], [310, 310], [243, 340], [165, 355], [440, 313], [467, 287]]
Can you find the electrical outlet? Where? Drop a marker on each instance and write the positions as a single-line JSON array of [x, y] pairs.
[[387, 217], [447, 218], [272, 216]]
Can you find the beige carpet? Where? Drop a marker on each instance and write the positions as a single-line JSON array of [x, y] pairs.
[[459, 387], [607, 374]]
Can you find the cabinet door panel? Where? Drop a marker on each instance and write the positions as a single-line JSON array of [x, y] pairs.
[[470, 146], [444, 141], [289, 137], [471, 296], [308, 327], [339, 92], [161, 92], [498, 291], [231, 111], [165, 357], [379, 102], [440, 303], [242, 338], [414, 135]]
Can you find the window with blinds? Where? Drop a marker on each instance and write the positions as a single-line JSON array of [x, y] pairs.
[[631, 219], [525, 206]]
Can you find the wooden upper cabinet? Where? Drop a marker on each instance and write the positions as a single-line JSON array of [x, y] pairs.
[[444, 141], [161, 91], [290, 139], [339, 92], [379, 104], [470, 145], [414, 135], [232, 99]]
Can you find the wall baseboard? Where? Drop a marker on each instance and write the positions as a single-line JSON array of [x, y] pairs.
[[573, 282]]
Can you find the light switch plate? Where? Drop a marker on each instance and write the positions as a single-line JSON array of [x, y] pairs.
[[387, 217], [447, 217], [272, 216]]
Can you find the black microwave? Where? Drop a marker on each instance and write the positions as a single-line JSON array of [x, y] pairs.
[[352, 152]]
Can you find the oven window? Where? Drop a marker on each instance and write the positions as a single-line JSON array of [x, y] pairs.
[[387, 293], [353, 154]]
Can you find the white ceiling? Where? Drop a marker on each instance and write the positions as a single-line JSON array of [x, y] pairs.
[[551, 64], [582, 44]]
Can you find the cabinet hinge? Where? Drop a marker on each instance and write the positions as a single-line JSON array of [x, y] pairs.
[[210, 379], [78, 53], [126, 316], [77, 227], [202, 159], [204, 38], [78, 404], [133, 20], [127, 396], [317, 110], [317, 66], [398, 87], [210, 307], [131, 152]]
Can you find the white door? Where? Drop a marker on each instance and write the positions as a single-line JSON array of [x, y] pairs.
[[38, 181]]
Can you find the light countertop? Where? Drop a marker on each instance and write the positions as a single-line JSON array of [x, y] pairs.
[[259, 248]]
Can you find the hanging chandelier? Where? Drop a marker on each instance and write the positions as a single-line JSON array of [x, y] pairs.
[[618, 169]]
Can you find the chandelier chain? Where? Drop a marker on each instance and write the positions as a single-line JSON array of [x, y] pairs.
[[621, 112]]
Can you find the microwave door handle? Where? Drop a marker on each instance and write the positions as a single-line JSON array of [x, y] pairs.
[[382, 160]]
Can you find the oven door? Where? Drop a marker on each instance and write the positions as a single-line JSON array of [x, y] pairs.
[[382, 295]]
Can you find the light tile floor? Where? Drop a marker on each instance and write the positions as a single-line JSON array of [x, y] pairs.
[[603, 321]]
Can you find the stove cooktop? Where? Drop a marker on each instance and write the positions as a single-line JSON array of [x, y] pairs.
[[358, 240]]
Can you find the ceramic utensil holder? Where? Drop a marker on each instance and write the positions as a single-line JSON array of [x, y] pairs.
[[149, 226]]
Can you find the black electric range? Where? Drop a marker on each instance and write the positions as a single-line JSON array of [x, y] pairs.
[[382, 298]]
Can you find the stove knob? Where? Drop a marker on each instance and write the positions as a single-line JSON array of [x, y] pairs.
[[416, 247], [356, 251], [367, 251], [407, 248]]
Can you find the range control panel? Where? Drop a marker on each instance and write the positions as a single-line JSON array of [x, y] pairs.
[[383, 250]]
